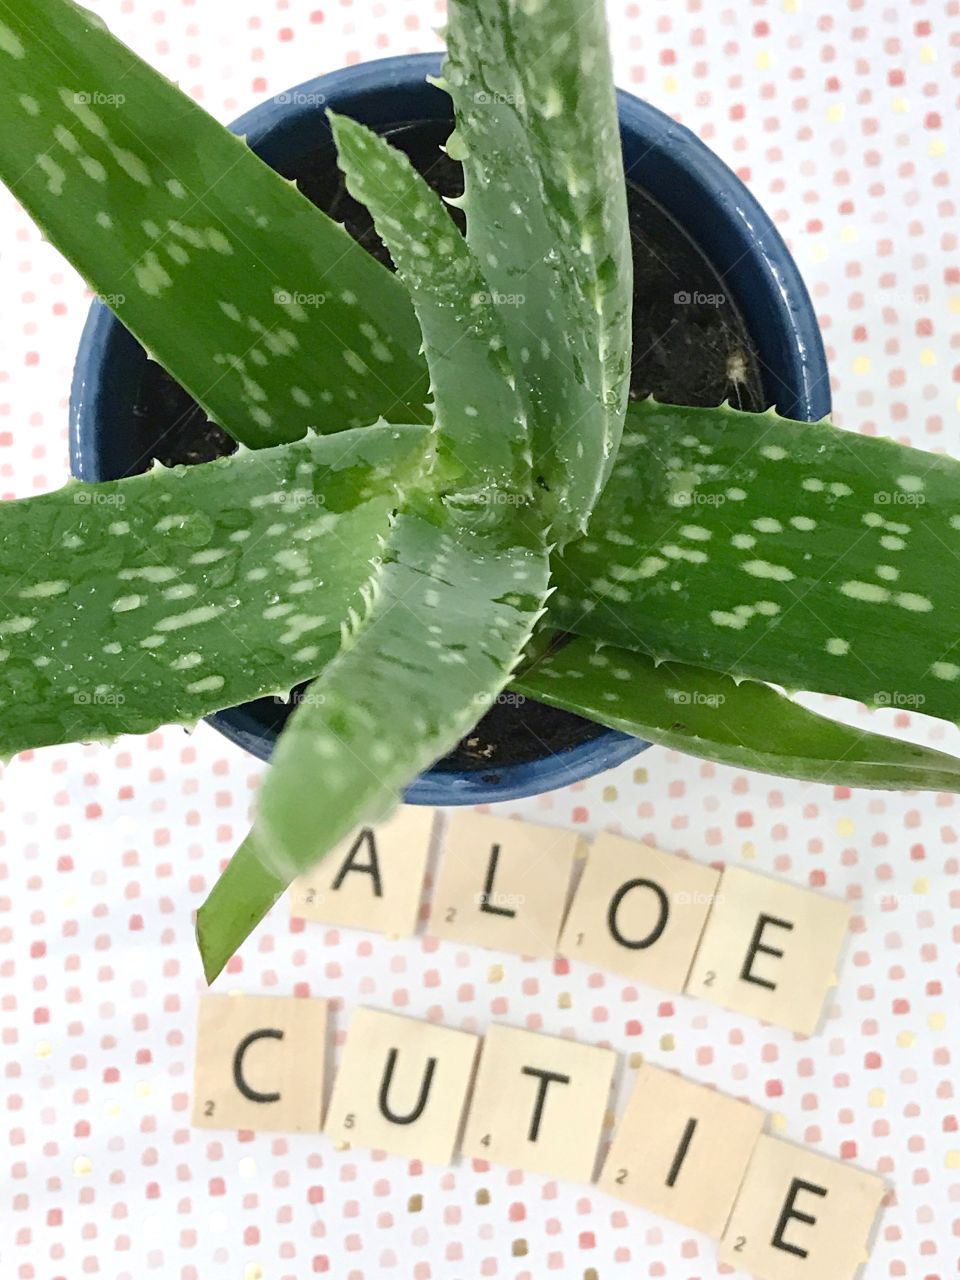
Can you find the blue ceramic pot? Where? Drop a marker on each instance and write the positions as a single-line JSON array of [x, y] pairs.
[[685, 178]]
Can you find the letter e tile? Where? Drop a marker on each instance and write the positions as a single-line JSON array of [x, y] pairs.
[[801, 1216], [770, 950]]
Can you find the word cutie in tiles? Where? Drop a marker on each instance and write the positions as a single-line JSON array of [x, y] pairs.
[[745, 941], [538, 1102]]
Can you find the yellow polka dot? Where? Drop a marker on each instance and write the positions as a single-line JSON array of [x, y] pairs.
[[670, 84], [640, 775], [43, 1049], [253, 1271], [495, 973], [849, 235], [861, 364], [790, 6], [667, 1043], [953, 1160], [900, 105], [818, 252], [835, 113], [922, 885], [905, 1040], [928, 53], [635, 1060], [928, 357], [955, 304], [82, 1166], [609, 1118], [762, 60], [845, 827], [877, 1097], [564, 1000], [778, 1121], [144, 1089], [748, 850], [937, 1021], [113, 1109], [936, 147], [609, 795]]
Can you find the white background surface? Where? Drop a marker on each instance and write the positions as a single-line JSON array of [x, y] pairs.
[[843, 120]]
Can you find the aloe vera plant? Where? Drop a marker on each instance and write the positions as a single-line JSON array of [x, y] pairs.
[[444, 493]]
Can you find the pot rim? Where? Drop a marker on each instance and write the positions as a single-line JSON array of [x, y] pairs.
[[685, 177]]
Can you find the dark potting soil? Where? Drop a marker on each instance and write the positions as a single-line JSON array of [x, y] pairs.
[[690, 346]]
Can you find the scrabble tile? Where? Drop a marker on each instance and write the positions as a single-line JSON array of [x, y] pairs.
[[539, 1103], [639, 912], [402, 1086], [503, 884], [260, 1063], [770, 950], [681, 1150], [801, 1216], [373, 879]]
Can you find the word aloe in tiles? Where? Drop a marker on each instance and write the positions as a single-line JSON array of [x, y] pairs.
[[539, 1103], [744, 941], [373, 879]]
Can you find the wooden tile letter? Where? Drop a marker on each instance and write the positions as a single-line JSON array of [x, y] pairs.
[[260, 1063], [639, 912], [681, 1150], [503, 884], [373, 879], [801, 1216], [770, 950], [401, 1086], [539, 1103]]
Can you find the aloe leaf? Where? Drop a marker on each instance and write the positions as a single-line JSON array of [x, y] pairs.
[[741, 723], [789, 552], [545, 201], [169, 595], [451, 615], [482, 436], [263, 308]]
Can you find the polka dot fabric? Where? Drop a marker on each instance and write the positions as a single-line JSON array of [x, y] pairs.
[[842, 117]]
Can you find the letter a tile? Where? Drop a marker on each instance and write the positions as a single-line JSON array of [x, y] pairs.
[[260, 1063], [639, 912], [402, 1086], [539, 1103], [681, 1150], [801, 1216], [373, 879], [770, 950], [503, 884]]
